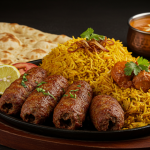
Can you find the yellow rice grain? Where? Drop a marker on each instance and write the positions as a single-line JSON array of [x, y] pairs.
[[95, 68]]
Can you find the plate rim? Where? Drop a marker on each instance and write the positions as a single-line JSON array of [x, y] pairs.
[[116, 134]]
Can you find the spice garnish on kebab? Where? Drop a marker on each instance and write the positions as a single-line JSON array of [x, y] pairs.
[[45, 93], [23, 80], [42, 82]]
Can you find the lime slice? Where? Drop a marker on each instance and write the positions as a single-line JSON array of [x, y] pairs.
[[8, 74]]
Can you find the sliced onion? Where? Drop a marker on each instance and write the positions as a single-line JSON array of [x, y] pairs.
[[92, 45], [85, 42], [99, 45]]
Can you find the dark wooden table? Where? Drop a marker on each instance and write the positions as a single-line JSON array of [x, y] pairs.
[[22, 140], [71, 18]]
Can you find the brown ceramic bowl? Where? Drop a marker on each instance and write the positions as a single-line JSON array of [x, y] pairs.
[[138, 41]]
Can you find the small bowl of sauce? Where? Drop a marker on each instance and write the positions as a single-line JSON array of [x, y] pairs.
[[138, 37]]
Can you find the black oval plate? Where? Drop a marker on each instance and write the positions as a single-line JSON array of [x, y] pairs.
[[87, 132]]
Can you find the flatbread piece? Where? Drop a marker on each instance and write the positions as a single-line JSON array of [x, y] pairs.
[[20, 43]]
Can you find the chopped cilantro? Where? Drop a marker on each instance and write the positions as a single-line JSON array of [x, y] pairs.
[[142, 64], [75, 96], [131, 67], [24, 77], [43, 91], [50, 95], [72, 96], [40, 90], [79, 85], [142, 61], [97, 37], [89, 94], [65, 95], [23, 80], [23, 84], [25, 74], [40, 83], [88, 34], [74, 90]]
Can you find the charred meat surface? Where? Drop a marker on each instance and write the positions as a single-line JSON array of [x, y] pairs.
[[15, 95], [106, 113], [118, 74], [70, 112], [142, 81], [40, 104]]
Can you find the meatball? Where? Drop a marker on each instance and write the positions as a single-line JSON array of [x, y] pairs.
[[142, 81], [106, 113], [118, 74]]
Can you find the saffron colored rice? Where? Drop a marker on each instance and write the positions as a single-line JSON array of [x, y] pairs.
[[95, 69]]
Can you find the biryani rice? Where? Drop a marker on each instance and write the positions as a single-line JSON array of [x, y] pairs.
[[95, 69]]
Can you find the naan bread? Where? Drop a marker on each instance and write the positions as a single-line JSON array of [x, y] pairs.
[[20, 43]]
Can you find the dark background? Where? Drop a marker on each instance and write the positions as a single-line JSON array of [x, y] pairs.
[[106, 17]]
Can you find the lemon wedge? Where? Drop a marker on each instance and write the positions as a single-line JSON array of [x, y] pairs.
[[8, 74]]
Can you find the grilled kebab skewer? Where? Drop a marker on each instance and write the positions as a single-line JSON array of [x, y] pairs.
[[41, 102], [70, 112], [106, 113], [15, 95]]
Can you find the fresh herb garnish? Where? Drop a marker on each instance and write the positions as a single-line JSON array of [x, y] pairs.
[[142, 64], [50, 95], [23, 80], [74, 90], [79, 85], [40, 90], [75, 96], [88, 34], [24, 77], [40, 83], [72, 96], [25, 74], [23, 84], [89, 94], [65, 95], [43, 91]]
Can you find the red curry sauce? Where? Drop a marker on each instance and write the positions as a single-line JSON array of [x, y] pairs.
[[142, 24]]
